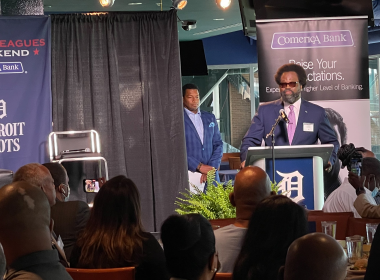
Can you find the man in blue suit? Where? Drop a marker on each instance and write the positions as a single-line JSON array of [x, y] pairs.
[[204, 145], [307, 121]]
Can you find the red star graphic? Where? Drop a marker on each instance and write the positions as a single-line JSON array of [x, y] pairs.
[[36, 51]]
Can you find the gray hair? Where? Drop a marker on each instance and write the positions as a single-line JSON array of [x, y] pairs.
[[34, 173]]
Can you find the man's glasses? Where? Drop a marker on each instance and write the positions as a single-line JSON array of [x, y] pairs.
[[290, 84]]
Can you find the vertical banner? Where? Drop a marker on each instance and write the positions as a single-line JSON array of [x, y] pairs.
[[334, 54], [25, 90]]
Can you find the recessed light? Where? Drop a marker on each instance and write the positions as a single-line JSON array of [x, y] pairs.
[[218, 19], [47, 6], [132, 4]]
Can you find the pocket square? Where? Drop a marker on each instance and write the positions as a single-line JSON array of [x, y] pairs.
[[212, 124]]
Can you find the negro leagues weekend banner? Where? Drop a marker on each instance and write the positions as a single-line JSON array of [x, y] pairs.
[[333, 52], [25, 90]]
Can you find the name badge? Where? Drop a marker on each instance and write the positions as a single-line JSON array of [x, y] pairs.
[[308, 127]]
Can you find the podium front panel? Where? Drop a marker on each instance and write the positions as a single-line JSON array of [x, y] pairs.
[[295, 177]]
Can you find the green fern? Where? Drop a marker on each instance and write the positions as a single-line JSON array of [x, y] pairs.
[[215, 204]]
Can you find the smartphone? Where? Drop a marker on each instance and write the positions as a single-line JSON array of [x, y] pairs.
[[91, 185], [356, 165]]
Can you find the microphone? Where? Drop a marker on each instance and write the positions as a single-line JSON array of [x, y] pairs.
[[283, 115]]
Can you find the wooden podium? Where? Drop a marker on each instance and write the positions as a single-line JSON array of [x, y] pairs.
[[298, 168]]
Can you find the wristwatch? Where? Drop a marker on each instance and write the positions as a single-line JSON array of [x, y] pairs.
[[199, 166]]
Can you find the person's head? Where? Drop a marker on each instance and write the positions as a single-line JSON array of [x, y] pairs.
[[38, 176], [314, 256], [3, 262], [348, 151], [61, 180], [251, 186], [189, 246], [190, 94], [25, 224], [337, 124], [275, 224], [113, 234], [291, 79], [371, 169]]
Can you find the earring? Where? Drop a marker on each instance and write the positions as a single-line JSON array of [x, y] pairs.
[[214, 270]]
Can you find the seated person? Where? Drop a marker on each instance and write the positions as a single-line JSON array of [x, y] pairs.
[[275, 224], [251, 186], [364, 202], [189, 246], [25, 233], [114, 236], [70, 217], [315, 256], [342, 199]]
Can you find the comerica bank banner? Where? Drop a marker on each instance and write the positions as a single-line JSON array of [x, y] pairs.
[[25, 90], [333, 52]]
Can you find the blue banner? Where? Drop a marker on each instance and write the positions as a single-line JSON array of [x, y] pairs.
[[25, 90]]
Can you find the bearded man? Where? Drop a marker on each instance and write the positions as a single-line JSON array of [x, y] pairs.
[[307, 122]]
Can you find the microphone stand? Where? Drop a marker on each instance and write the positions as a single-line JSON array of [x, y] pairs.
[[271, 133]]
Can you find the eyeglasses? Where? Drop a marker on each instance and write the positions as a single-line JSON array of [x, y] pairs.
[[290, 84]]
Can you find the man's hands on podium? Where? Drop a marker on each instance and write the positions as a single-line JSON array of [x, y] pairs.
[[242, 165], [204, 170], [328, 167]]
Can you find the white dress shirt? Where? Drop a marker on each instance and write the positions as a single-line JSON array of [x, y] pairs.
[[343, 198]]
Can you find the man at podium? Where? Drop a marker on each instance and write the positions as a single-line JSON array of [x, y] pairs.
[[306, 124]]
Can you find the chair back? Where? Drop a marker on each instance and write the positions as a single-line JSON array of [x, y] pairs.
[[234, 162], [341, 219], [77, 144], [357, 226], [122, 273], [225, 276]]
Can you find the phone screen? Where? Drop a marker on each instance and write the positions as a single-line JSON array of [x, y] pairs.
[[91, 185], [356, 166]]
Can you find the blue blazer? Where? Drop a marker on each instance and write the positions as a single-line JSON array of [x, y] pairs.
[[211, 151], [310, 113]]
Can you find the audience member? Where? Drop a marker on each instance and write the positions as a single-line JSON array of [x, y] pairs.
[[364, 203], [275, 224], [189, 246], [38, 176], [315, 256], [251, 186], [114, 236], [26, 234], [2, 262], [373, 268], [342, 199], [70, 217]]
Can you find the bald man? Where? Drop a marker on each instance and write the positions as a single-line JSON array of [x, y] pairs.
[[314, 256], [38, 176], [251, 186], [25, 235]]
